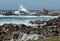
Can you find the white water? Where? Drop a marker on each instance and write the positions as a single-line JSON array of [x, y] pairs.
[[23, 19]]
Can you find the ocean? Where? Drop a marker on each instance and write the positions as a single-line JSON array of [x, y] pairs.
[[23, 19]]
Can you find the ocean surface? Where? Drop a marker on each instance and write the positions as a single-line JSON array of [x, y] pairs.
[[23, 19]]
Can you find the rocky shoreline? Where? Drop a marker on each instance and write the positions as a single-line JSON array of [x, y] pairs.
[[22, 11], [21, 32]]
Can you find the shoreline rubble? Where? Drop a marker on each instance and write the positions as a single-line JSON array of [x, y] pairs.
[[21, 32]]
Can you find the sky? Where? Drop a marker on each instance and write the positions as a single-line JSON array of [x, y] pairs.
[[30, 4]]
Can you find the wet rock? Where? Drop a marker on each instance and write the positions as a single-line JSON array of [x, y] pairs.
[[54, 21], [22, 26], [43, 11], [36, 22], [20, 31]]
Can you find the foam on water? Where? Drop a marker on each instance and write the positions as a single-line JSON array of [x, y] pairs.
[[23, 19]]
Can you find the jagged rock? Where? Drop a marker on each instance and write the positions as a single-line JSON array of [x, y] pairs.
[[42, 12], [9, 32], [22, 27], [54, 13], [54, 21]]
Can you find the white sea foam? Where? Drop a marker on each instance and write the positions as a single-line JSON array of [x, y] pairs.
[[23, 19], [29, 16]]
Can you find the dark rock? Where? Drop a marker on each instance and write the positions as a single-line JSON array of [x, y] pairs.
[[55, 33], [22, 26], [36, 22]]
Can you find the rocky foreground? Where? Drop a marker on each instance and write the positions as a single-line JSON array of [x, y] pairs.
[[21, 32]]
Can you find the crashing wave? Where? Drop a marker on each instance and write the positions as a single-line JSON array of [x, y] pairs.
[[23, 9]]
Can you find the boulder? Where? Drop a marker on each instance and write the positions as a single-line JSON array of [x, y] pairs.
[[36, 22], [42, 12]]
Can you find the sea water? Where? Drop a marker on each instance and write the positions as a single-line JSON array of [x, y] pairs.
[[23, 19]]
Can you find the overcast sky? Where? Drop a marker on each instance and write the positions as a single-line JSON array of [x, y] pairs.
[[30, 4]]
